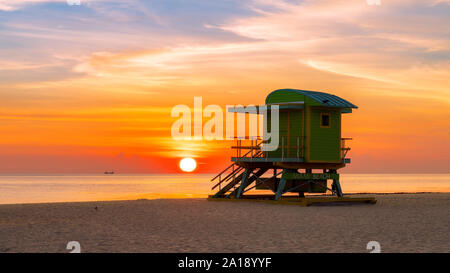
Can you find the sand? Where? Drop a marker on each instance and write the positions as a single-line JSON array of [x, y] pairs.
[[400, 223]]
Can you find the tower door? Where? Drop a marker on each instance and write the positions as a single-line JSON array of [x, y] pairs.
[[294, 134], [290, 135]]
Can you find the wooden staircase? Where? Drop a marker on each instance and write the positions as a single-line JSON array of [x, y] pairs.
[[236, 181], [233, 180], [230, 179]]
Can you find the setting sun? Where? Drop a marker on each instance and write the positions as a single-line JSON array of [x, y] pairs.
[[188, 164]]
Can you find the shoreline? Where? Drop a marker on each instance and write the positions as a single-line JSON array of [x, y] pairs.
[[201, 198]]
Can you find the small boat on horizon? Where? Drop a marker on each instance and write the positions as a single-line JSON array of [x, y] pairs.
[[106, 172]]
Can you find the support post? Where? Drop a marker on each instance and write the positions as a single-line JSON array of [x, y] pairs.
[[281, 187], [336, 185], [244, 183]]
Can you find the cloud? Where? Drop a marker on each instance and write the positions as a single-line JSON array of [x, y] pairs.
[[163, 42], [353, 39], [437, 2], [10, 5]]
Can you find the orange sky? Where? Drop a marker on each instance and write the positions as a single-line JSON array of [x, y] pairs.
[[90, 88]]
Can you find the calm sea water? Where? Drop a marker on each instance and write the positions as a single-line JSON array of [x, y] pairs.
[[66, 188]]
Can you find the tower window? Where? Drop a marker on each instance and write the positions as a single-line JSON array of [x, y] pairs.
[[325, 120]]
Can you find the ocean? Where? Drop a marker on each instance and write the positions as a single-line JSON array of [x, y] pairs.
[[16, 189]]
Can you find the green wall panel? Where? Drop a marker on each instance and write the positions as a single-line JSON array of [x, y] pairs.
[[325, 142]]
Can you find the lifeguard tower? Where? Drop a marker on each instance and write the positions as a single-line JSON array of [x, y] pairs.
[[310, 152]]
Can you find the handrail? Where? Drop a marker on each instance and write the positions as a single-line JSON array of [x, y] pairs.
[[344, 149], [229, 167], [215, 177], [230, 175], [287, 149]]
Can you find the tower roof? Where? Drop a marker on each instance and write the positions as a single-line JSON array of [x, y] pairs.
[[295, 95]]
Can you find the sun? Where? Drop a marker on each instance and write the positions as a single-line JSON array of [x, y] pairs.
[[188, 164]]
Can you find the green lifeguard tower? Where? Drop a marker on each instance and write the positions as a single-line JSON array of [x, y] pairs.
[[310, 151]]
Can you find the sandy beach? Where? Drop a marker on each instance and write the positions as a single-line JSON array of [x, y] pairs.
[[399, 222]]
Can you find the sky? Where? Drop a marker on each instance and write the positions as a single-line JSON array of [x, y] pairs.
[[90, 87]]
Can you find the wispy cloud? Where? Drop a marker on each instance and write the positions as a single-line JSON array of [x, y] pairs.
[[11, 5]]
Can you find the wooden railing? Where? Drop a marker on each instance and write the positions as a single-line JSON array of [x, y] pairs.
[[252, 145], [287, 150], [231, 171], [249, 148], [344, 148]]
